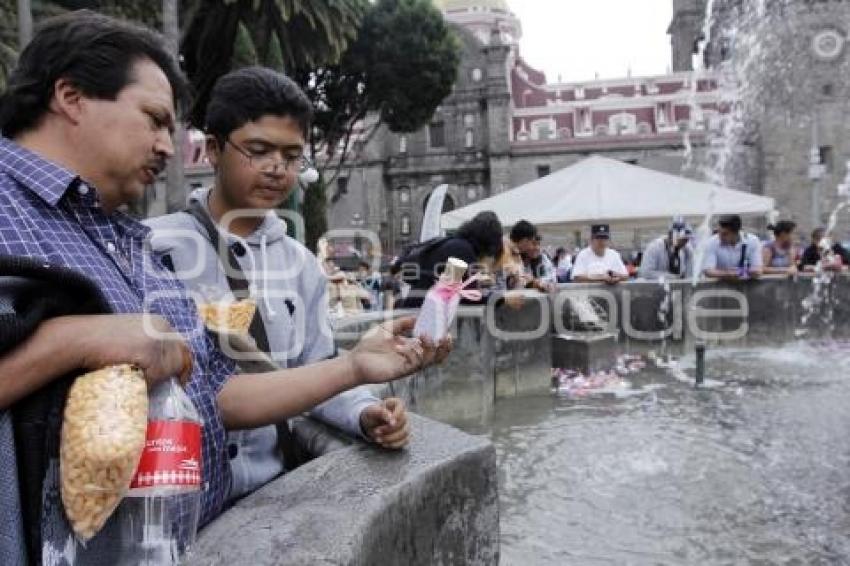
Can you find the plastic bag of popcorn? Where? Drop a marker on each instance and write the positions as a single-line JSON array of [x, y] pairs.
[[223, 313], [103, 435]]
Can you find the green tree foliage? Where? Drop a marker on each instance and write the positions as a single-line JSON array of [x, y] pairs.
[[402, 65], [283, 34], [400, 68], [409, 56]]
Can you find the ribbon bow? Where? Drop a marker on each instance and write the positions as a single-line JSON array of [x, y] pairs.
[[448, 290]]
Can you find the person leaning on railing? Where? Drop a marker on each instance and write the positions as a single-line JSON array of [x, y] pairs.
[[780, 254]]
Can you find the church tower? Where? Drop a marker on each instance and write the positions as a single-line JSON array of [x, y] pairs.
[[685, 32]]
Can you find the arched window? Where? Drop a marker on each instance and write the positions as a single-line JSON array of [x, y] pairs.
[[404, 225]]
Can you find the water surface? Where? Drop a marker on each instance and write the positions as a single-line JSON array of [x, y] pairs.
[[755, 471]]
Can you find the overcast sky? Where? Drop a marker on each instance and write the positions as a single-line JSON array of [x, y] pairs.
[[580, 38]]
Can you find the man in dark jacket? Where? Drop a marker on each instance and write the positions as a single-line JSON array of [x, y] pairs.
[[812, 254], [477, 240]]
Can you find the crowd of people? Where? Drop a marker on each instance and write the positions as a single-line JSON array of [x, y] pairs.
[[81, 139], [520, 260]]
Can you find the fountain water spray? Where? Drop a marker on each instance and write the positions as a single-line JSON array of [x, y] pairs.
[[820, 301]]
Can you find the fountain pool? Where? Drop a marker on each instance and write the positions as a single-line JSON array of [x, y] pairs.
[[751, 471]]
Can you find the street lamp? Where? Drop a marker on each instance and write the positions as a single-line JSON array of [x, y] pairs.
[[816, 172]]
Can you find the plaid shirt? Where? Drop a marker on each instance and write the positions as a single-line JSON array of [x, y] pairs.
[[47, 212]]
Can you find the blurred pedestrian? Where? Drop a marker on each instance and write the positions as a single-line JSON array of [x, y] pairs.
[[780, 255], [599, 262], [670, 256], [732, 254], [538, 268], [822, 248]]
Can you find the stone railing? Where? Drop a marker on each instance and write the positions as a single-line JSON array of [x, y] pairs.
[[502, 352], [435, 502]]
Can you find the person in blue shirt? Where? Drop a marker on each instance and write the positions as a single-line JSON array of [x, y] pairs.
[[731, 254]]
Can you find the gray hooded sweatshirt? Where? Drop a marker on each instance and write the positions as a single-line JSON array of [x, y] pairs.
[[291, 292]]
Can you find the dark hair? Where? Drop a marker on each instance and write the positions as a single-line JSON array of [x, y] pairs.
[[730, 222], [782, 227], [484, 232], [522, 230], [93, 52], [363, 264], [818, 233], [248, 94]]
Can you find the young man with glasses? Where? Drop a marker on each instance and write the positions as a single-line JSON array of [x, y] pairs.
[[256, 124]]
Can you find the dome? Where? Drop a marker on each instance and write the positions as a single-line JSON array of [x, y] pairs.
[[458, 5]]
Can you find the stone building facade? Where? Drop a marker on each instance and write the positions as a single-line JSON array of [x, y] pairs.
[[505, 124], [776, 70]]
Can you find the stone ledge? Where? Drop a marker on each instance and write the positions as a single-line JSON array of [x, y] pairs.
[[433, 503]]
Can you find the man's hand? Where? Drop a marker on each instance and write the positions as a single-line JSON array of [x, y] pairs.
[[384, 353], [152, 345], [385, 423]]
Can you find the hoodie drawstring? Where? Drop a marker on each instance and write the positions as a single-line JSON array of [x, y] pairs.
[[264, 253]]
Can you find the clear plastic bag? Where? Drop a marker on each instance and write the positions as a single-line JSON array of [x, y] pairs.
[[103, 435], [221, 312]]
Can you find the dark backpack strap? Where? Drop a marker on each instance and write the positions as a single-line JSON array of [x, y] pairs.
[[240, 288], [743, 254], [238, 285]]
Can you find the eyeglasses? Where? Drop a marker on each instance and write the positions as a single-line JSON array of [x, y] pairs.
[[267, 162]]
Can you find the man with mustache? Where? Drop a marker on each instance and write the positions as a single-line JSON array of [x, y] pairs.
[[86, 122], [256, 124]]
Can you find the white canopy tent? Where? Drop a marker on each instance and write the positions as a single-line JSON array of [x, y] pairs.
[[599, 189]]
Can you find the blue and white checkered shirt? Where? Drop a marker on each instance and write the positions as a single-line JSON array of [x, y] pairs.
[[48, 213]]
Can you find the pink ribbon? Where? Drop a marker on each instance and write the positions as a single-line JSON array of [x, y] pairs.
[[448, 290]]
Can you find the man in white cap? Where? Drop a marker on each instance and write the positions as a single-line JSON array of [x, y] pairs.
[[670, 256]]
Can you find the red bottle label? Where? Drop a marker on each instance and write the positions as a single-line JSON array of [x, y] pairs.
[[172, 455]]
